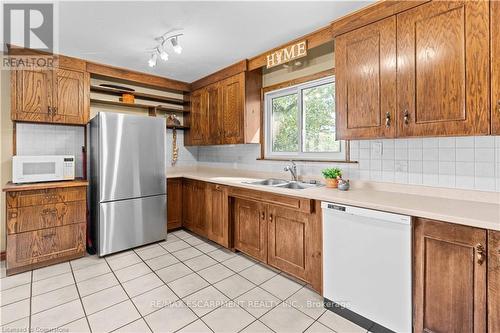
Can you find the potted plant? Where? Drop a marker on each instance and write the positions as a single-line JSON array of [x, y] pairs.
[[332, 176]]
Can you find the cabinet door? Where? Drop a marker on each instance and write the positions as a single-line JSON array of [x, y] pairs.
[[233, 94], [366, 81], [288, 232], [250, 228], [214, 105], [174, 203], [218, 226], [188, 213], [70, 104], [449, 278], [32, 95], [443, 69], [493, 281], [495, 66], [196, 135], [199, 206]]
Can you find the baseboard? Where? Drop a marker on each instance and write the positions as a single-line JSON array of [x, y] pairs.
[[355, 318], [2, 256]]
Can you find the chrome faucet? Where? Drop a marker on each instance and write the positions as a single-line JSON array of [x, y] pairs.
[[293, 170]]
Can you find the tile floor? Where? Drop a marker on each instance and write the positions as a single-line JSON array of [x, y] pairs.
[[184, 284]]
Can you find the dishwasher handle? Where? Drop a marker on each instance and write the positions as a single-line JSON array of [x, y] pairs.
[[363, 212]]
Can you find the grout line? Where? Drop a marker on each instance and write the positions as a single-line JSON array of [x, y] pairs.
[[80, 298], [31, 296]]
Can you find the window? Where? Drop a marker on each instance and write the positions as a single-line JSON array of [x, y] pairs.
[[300, 122]]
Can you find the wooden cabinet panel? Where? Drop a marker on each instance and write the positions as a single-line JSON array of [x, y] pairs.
[[218, 224], [495, 66], [493, 281], [31, 95], [32, 249], [443, 69], [44, 197], [233, 95], [287, 236], [45, 216], [194, 207], [449, 278], [174, 203], [366, 81], [250, 228], [197, 133], [214, 105], [70, 105]]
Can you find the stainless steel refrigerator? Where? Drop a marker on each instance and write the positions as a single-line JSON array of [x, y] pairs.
[[127, 173]]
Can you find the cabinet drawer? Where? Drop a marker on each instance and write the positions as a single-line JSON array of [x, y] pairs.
[[301, 204], [34, 247], [30, 218], [46, 196]]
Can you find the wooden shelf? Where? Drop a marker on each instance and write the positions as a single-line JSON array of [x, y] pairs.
[[140, 95], [179, 127], [137, 105]]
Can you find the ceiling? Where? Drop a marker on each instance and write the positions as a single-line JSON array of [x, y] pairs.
[[216, 34]]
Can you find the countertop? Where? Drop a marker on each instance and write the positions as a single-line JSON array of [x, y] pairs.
[[480, 209], [11, 187]]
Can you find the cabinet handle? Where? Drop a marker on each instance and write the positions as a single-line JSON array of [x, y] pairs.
[[270, 217], [263, 215], [481, 253], [54, 111], [498, 106], [406, 117], [387, 119]]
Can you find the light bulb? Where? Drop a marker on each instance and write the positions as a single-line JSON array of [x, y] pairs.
[[163, 55], [176, 46], [152, 60]]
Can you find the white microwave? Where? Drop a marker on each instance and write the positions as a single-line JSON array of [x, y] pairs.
[[31, 169]]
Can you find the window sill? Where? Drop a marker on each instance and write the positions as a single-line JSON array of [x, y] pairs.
[[306, 160]]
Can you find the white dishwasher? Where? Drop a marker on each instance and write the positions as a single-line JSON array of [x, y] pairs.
[[367, 264]]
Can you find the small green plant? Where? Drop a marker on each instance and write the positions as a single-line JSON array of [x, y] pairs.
[[332, 173]]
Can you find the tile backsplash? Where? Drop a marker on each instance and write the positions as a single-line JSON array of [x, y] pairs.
[[453, 162], [41, 139]]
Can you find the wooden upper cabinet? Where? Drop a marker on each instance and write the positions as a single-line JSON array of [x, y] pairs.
[[493, 281], [71, 97], [449, 278], [226, 111], [197, 134], [443, 69], [50, 96], [32, 92], [233, 94], [366, 81], [495, 66]]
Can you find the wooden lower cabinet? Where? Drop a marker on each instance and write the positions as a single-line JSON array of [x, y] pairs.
[[450, 271], [194, 206], [250, 228], [493, 281], [45, 226], [287, 244], [218, 214], [174, 203]]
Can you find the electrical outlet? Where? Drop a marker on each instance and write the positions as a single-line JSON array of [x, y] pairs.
[[401, 166], [376, 148]]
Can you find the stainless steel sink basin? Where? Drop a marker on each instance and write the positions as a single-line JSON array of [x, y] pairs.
[[297, 185], [269, 182], [281, 183]]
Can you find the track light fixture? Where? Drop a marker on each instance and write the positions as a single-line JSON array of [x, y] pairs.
[[161, 51]]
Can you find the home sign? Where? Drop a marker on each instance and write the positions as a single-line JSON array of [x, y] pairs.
[[286, 54]]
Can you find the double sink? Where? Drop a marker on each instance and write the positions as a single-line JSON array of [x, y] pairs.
[[281, 183]]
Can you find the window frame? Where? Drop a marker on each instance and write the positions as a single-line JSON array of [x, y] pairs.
[[301, 155]]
